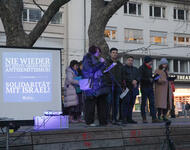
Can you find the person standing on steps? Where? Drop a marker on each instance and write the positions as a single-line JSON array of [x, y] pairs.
[[93, 67], [131, 79], [163, 90], [114, 81], [146, 87]]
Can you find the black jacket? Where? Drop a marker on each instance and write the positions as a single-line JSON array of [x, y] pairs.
[[116, 71], [146, 80], [130, 74]]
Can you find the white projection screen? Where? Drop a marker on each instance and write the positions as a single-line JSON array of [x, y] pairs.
[[30, 82]]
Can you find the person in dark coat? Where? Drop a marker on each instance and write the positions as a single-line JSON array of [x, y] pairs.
[[146, 85], [93, 66], [131, 78], [114, 81]]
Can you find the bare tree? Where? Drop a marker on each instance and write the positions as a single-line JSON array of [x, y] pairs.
[[11, 16], [100, 15]]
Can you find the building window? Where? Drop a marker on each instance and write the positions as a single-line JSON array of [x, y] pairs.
[[57, 19], [110, 33], [25, 15], [175, 66], [132, 9], [181, 39], [180, 66], [133, 35], [106, 2], [2, 37], [34, 15], [180, 14], [137, 62], [159, 38], [157, 11], [183, 66]]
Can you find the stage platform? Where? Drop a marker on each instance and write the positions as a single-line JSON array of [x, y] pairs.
[[79, 136]]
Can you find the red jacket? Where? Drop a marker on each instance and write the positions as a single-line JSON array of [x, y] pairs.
[[173, 88]]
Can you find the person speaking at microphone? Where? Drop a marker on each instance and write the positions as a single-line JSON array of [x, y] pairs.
[[93, 67]]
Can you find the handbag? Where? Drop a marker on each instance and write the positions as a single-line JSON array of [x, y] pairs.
[[85, 84]]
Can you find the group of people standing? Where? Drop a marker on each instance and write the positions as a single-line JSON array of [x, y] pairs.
[[107, 85]]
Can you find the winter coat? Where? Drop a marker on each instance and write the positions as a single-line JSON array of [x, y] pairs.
[[130, 74], [116, 72], [93, 68], [145, 74], [163, 91], [70, 95]]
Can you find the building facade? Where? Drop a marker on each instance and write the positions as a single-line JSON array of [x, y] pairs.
[[52, 37], [141, 27]]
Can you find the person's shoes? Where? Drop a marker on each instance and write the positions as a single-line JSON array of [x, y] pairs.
[[165, 119], [131, 121], [92, 125], [73, 121], [124, 122], [156, 121], [159, 118], [103, 125], [81, 120], [115, 122], [173, 116], [145, 121]]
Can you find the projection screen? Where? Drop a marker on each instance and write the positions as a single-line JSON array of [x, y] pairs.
[[30, 82]]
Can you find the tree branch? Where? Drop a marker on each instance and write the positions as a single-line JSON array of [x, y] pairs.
[[99, 19], [1, 9], [46, 18], [112, 7], [38, 6]]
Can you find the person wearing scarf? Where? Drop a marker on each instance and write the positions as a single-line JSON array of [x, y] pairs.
[[146, 87]]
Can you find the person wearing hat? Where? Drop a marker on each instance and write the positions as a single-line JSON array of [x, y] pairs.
[[146, 85], [163, 90]]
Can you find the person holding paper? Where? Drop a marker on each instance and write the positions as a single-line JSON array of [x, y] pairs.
[[163, 90], [146, 84], [131, 78], [114, 81], [70, 95], [93, 66]]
